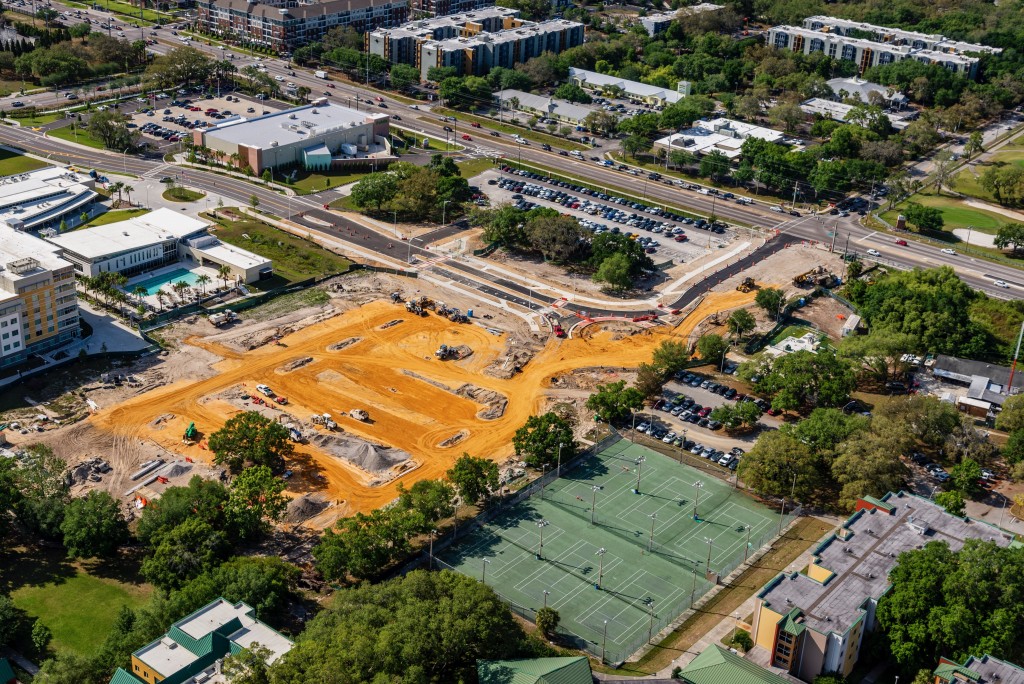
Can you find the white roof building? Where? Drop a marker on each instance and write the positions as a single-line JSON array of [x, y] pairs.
[[43, 197], [858, 87], [839, 111], [593, 80], [562, 110], [718, 135]]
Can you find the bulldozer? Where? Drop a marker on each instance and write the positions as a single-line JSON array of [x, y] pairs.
[[426, 303], [189, 437], [747, 285]]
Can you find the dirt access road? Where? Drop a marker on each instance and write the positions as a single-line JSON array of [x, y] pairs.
[[390, 371]]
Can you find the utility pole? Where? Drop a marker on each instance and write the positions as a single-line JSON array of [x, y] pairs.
[[1013, 366], [430, 563], [796, 184]]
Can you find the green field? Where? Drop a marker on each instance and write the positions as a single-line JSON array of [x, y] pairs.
[[180, 194], [78, 602], [658, 545], [37, 119], [82, 138], [474, 167], [294, 259], [12, 162], [112, 217], [309, 182], [956, 214]]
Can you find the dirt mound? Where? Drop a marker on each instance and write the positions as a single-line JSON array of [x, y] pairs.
[[494, 402], [338, 346], [330, 376], [519, 351], [369, 457], [305, 507], [390, 324], [176, 469], [454, 439], [590, 377], [297, 363]]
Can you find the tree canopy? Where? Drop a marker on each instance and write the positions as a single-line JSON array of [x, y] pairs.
[[615, 402], [93, 526], [537, 442], [250, 438]]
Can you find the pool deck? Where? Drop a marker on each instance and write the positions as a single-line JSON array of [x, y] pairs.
[[152, 300]]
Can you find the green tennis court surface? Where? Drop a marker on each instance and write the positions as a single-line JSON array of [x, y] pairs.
[[646, 580]]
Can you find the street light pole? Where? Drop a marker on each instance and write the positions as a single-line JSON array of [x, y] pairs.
[[746, 548], [600, 565], [444, 207], [697, 486], [650, 627], [604, 642], [546, 592], [124, 158]]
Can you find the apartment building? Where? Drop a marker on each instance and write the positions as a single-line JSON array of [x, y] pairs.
[[44, 197], [868, 45], [38, 301], [809, 623], [475, 42], [983, 670], [285, 24], [658, 22]]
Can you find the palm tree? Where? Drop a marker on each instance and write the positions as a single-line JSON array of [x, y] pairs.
[[201, 281], [140, 292], [224, 272], [117, 187], [128, 190], [179, 289], [160, 297]]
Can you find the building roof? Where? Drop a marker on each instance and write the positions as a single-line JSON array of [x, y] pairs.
[[131, 234], [511, 35], [16, 248], [30, 199], [921, 54], [965, 370], [660, 17], [289, 126], [299, 11], [840, 111], [859, 558], [886, 34], [560, 108], [209, 633], [716, 665], [6, 671], [984, 670], [450, 24], [858, 86], [721, 135], [635, 88], [570, 670]]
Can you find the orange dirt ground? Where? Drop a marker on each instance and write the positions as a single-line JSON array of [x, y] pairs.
[[405, 411]]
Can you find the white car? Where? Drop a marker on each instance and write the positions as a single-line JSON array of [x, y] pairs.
[[279, 78], [1000, 283], [948, 251], [874, 253]]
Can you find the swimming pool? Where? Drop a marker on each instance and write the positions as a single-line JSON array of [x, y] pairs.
[[154, 284]]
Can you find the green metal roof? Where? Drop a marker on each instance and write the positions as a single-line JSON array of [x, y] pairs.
[[947, 670], [123, 676], [715, 665], [791, 626], [6, 671], [878, 502], [574, 670]]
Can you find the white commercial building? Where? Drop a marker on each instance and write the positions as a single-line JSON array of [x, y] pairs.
[[160, 238], [658, 22], [866, 91], [38, 300], [839, 111], [592, 80], [42, 198], [316, 136], [546, 107], [717, 135]]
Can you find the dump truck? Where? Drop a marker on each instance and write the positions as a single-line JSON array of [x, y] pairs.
[[223, 318], [747, 285]]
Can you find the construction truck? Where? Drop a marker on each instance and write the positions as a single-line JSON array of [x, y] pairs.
[[360, 415], [325, 420], [396, 297], [426, 303], [819, 275], [295, 435], [190, 435], [414, 308], [444, 352], [558, 330], [223, 318], [747, 285]]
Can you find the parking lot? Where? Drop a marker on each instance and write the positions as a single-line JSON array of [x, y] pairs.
[[669, 235], [166, 118]]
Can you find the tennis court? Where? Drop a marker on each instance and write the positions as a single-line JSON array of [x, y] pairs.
[[617, 561]]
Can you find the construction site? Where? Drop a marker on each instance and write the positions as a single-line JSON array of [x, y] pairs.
[[382, 383]]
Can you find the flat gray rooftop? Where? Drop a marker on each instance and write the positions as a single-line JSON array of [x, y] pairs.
[[289, 126]]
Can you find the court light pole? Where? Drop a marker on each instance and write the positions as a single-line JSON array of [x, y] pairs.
[[604, 641], [650, 626], [546, 592], [792, 495], [650, 540], [541, 524], [746, 548], [697, 486], [483, 570], [684, 447], [558, 473], [430, 563], [593, 501], [639, 469], [707, 565], [600, 566]]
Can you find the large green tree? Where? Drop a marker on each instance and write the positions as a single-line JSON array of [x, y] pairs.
[[250, 438], [424, 628], [255, 500], [43, 489], [615, 402], [428, 500], [803, 379], [375, 189], [201, 499], [537, 442], [671, 356], [474, 478], [94, 526], [781, 465], [712, 348], [770, 299], [191, 548]]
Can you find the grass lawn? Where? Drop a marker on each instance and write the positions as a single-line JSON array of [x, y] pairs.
[[309, 182], [11, 87], [112, 217], [82, 137], [77, 601], [956, 214], [132, 13], [508, 129], [12, 162], [474, 167], [37, 119], [294, 259], [793, 331], [800, 537], [182, 195]]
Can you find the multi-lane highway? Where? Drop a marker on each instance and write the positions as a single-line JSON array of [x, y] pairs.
[[848, 232]]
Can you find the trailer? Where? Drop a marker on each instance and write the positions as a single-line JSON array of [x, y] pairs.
[[320, 73]]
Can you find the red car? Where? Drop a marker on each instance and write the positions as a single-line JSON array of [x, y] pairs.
[[474, 124], [901, 243], [466, 137], [331, 85]]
